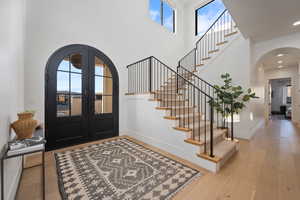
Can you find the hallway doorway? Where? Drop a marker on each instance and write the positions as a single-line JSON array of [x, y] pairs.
[[82, 97], [281, 99]]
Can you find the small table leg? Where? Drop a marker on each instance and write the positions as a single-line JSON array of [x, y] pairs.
[[43, 174], [2, 179]]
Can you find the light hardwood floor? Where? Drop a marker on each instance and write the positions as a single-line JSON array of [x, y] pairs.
[[265, 168]]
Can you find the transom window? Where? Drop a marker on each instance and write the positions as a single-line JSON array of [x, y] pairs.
[[206, 15], [162, 13]]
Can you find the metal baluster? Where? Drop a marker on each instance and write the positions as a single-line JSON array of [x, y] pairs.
[[193, 133], [232, 137], [205, 150], [211, 132]]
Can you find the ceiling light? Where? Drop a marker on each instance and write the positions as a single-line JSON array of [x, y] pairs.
[[297, 23], [280, 62], [280, 66], [280, 55]]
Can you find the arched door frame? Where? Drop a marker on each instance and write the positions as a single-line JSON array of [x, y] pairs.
[[51, 68]]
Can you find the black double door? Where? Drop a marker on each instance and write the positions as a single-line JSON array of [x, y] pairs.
[[81, 100]]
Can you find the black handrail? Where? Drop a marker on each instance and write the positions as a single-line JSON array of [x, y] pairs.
[[211, 26], [138, 61], [178, 75], [195, 75]]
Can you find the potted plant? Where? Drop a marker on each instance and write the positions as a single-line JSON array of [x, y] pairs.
[[230, 99]]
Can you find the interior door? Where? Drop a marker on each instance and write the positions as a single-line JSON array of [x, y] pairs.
[[103, 103], [67, 99], [81, 99]]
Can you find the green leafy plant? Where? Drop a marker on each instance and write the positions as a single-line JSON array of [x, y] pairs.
[[230, 99]]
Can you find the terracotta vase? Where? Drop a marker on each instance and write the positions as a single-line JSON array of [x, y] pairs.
[[25, 126]]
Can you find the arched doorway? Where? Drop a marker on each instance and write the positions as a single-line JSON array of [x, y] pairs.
[[279, 75], [81, 97]]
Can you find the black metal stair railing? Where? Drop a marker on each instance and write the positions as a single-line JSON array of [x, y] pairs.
[[176, 93], [221, 121], [209, 43]]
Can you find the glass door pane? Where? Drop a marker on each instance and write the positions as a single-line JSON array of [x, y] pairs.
[[69, 86], [103, 87]]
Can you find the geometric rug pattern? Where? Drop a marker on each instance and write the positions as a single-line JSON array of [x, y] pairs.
[[120, 169]]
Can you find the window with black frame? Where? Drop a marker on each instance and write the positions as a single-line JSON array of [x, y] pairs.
[[162, 13], [206, 15]]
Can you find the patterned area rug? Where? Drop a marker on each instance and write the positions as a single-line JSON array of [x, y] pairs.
[[120, 169]]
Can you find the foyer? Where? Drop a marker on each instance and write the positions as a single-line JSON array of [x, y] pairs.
[[150, 99]]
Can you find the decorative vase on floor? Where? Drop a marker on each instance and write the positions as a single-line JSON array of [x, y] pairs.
[[25, 125]]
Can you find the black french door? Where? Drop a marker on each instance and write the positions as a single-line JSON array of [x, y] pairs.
[[81, 99]]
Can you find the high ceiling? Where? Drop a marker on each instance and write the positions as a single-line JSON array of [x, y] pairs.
[[290, 58], [265, 19]]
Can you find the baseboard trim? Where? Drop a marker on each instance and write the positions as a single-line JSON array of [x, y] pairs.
[[182, 153], [258, 125]]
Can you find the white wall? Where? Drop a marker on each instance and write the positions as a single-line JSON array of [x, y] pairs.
[[147, 124], [189, 23], [122, 30], [11, 80], [235, 59]]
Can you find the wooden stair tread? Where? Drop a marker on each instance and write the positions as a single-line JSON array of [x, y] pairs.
[[171, 117], [191, 129], [197, 141], [230, 34], [214, 159], [129, 93], [214, 51], [207, 58], [182, 129], [154, 99], [194, 142], [199, 65], [221, 43], [163, 108]]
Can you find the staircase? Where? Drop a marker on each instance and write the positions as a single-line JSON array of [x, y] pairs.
[[210, 43], [185, 97]]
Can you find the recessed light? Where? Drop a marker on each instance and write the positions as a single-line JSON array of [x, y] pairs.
[[297, 23], [280, 55], [280, 62], [280, 66]]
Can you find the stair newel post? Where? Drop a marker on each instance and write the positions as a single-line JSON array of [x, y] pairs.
[[150, 74], [232, 136], [211, 131]]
